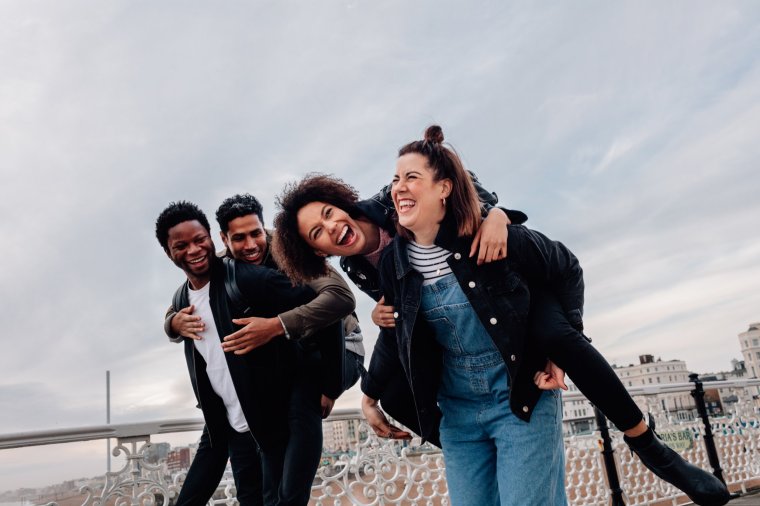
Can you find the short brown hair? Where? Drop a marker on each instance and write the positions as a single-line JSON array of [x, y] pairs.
[[292, 253], [463, 203]]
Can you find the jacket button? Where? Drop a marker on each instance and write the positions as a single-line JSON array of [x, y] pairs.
[[471, 284], [525, 409], [493, 321], [457, 256], [348, 269], [358, 285], [395, 314], [513, 358]]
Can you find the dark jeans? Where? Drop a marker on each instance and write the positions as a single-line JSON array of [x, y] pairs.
[[289, 472], [208, 467], [569, 349]]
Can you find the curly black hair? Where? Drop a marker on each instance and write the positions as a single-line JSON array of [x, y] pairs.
[[174, 214], [238, 206], [291, 252]]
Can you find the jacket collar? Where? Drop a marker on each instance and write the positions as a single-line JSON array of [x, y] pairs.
[[378, 213]]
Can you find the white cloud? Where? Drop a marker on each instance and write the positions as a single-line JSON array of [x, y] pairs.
[[627, 132]]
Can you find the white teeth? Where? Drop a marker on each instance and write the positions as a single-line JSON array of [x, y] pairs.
[[343, 234], [197, 260], [406, 203]]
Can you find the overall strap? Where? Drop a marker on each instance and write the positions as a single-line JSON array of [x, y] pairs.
[[180, 299]]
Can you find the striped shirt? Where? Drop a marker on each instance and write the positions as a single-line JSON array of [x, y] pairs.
[[430, 261]]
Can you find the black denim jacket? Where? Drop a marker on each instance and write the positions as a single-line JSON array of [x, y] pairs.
[[379, 210], [499, 294]]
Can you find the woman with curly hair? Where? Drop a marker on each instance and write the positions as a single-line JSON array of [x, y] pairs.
[[322, 216]]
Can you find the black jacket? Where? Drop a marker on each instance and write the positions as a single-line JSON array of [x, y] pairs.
[[499, 294], [379, 210], [262, 377]]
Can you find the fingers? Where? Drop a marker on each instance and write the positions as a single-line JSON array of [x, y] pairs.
[[243, 321], [189, 325], [244, 350], [238, 334], [475, 243], [188, 310], [382, 315]]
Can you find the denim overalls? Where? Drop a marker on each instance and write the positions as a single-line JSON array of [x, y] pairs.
[[492, 457]]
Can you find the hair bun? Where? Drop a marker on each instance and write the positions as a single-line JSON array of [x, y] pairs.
[[434, 134]]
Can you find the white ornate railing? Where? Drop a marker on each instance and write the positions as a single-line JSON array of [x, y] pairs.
[[373, 471]]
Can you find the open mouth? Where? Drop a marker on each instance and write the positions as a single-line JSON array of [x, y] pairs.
[[252, 256], [405, 205], [196, 262], [347, 236]]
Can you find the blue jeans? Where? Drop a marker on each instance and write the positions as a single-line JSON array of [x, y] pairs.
[[492, 457]]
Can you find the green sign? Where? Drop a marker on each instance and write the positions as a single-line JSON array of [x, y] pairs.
[[679, 440]]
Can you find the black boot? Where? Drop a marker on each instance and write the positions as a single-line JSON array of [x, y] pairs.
[[702, 487]]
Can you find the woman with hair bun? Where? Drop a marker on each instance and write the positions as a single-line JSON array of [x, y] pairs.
[[473, 340], [322, 216]]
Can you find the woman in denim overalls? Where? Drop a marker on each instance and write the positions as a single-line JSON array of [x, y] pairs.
[[461, 341]]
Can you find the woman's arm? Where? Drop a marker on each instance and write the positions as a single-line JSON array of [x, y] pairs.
[[334, 301]]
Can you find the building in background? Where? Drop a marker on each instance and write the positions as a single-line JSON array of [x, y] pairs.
[[578, 415], [178, 460], [749, 341]]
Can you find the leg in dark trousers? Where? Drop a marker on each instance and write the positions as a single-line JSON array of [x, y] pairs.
[[246, 468], [570, 350], [205, 472], [304, 448]]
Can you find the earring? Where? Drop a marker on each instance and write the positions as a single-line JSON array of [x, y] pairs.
[[443, 201]]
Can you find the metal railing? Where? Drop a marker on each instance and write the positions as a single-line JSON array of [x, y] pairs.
[[360, 468]]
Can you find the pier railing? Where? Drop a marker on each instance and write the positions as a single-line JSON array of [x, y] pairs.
[[359, 468]]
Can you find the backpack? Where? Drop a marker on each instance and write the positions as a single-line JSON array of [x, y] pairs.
[[180, 300]]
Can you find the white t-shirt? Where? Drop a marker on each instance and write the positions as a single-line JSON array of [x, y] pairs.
[[210, 348]]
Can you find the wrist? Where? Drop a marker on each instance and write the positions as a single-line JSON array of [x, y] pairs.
[[277, 328]]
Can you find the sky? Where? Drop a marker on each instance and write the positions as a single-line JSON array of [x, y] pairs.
[[627, 130]]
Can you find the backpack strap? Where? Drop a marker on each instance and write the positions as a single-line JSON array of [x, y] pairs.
[[231, 286], [180, 299]]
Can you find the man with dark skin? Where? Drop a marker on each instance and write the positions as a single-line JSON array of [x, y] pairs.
[[244, 236], [250, 401]]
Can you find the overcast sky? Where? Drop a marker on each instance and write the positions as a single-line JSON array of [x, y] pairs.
[[629, 131]]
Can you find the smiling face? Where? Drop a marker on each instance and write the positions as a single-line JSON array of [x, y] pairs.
[[246, 239], [418, 197], [329, 230], [190, 248]]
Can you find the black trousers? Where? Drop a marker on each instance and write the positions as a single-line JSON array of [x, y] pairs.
[[569, 349], [209, 463], [289, 471]]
